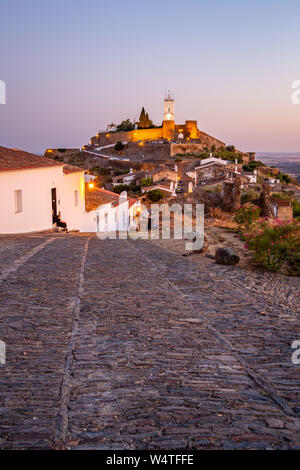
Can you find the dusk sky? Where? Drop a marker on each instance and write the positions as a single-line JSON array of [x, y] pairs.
[[72, 66]]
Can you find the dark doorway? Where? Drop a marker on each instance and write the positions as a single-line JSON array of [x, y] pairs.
[[54, 204]]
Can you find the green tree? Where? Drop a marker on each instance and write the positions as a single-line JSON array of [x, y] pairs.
[[146, 181], [155, 195], [143, 119], [119, 146], [145, 122], [125, 125]]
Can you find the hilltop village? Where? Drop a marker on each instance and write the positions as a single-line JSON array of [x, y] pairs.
[[129, 166], [178, 162]]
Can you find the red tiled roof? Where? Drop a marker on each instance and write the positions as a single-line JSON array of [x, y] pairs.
[[97, 196], [19, 160]]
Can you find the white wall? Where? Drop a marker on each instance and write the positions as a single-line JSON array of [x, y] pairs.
[[36, 199], [36, 185], [66, 197], [118, 218], [36, 215]]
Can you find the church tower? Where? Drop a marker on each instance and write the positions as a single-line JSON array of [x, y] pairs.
[[169, 117], [169, 108]]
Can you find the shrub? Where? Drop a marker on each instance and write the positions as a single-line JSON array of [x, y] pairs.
[[178, 159], [283, 178], [281, 197], [121, 172], [296, 208], [104, 171], [155, 195], [126, 187], [100, 170], [246, 215], [119, 146], [126, 125], [120, 187], [214, 190], [249, 196], [252, 165], [273, 244], [146, 181]]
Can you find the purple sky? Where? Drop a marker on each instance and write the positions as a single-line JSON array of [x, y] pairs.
[[71, 67]]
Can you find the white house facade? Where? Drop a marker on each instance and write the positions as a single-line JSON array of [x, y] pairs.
[[33, 189], [109, 212]]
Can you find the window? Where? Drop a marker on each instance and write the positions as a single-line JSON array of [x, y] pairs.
[[76, 197], [18, 201]]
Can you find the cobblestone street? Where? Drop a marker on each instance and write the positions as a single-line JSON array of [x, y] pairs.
[[120, 344]]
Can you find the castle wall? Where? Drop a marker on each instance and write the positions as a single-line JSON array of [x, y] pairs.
[[148, 149], [191, 130], [169, 130], [146, 134], [127, 136]]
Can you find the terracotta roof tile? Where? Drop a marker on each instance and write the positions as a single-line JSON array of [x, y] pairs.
[[97, 196], [19, 160]]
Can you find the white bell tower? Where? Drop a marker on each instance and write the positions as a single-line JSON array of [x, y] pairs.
[[169, 108]]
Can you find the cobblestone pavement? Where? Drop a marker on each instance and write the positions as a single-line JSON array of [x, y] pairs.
[[123, 345]]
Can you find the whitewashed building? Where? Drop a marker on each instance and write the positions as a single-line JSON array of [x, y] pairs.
[[34, 188], [109, 212]]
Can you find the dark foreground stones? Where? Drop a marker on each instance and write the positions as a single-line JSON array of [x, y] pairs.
[[226, 256], [115, 344]]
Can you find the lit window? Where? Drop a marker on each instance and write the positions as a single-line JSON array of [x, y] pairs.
[[76, 197], [18, 201]]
